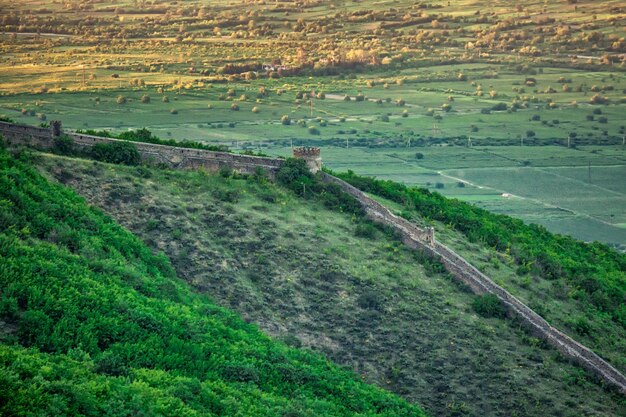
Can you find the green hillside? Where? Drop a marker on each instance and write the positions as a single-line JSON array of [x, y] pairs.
[[320, 279], [578, 287], [92, 323]]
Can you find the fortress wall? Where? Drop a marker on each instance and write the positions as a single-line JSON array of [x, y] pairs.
[[413, 236], [479, 283], [29, 135], [171, 156]]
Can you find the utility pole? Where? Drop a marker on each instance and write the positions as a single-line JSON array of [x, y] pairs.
[[568, 140], [346, 143], [589, 172], [469, 141]]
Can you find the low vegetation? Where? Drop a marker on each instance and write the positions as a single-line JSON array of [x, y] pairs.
[[334, 283], [144, 135], [590, 275], [94, 323]]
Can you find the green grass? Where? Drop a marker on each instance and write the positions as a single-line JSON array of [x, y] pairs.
[[554, 189], [311, 277], [195, 121], [93, 323], [577, 286]]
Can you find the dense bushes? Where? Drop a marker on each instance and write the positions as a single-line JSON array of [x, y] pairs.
[[488, 305], [295, 175], [96, 324], [64, 145], [594, 272], [116, 153]]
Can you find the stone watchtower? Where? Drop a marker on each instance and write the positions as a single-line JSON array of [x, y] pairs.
[[311, 156], [55, 128]]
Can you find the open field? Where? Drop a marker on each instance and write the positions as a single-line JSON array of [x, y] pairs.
[[201, 110]]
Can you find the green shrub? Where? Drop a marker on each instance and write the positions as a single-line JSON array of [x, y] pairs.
[[64, 145], [313, 130], [116, 153], [293, 173], [488, 306], [226, 171], [365, 229]]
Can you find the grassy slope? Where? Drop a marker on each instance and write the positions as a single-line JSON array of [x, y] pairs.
[[558, 301], [93, 323], [301, 273]]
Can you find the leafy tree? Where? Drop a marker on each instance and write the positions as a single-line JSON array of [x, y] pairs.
[[64, 145], [488, 306], [116, 153]]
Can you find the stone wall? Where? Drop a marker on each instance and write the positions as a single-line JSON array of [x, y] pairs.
[[413, 236], [479, 283], [171, 156], [311, 156]]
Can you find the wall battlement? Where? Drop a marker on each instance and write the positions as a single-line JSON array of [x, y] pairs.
[[311, 156], [170, 156]]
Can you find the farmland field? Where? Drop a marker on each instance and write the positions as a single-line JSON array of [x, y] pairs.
[[491, 95], [558, 196], [518, 108]]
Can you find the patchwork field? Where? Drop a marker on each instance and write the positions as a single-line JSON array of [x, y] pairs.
[[373, 83]]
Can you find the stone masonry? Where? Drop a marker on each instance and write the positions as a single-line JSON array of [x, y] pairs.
[[479, 283], [170, 156], [311, 156]]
